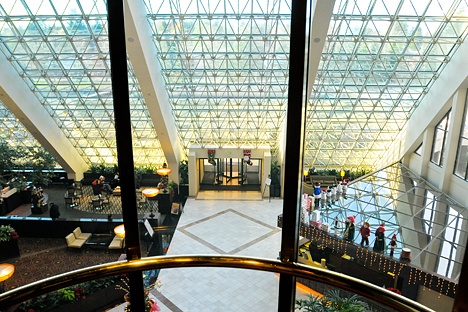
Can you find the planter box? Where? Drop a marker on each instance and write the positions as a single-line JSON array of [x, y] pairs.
[[26, 197], [275, 190], [164, 203], [98, 301], [89, 177], [150, 179], [9, 249]]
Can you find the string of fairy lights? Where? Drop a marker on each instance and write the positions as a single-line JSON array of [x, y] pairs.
[[379, 261]]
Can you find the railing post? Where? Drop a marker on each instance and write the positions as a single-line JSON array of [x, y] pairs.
[[123, 133], [295, 132]]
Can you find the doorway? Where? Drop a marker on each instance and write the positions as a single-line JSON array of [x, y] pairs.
[[230, 174]]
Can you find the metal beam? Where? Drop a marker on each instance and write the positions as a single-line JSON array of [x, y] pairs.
[[21, 101], [322, 11]]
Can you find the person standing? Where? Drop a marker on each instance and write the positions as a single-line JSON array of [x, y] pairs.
[[54, 211], [393, 245], [350, 229], [365, 233], [379, 244], [317, 194]]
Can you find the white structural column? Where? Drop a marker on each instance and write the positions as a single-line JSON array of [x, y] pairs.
[[194, 173], [20, 100], [266, 173], [322, 11], [451, 146], [143, 56]]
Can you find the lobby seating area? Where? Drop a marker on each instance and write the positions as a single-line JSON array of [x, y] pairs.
[[104, 204], [73, 242], [80, 235]]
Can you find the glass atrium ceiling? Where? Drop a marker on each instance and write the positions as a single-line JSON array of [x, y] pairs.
[[224, 66], [424, 219]]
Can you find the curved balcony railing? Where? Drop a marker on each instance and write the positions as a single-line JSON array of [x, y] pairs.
[[338, 280]]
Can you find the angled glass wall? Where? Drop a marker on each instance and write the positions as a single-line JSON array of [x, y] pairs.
[[425, 220], [60, 49], [225, 70], [379, 61]]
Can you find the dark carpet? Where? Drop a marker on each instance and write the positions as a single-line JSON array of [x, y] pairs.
[[45, 257]]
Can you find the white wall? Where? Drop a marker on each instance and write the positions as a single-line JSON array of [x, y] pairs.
[[196, 153]]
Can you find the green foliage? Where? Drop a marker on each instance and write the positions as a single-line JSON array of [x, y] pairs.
[[351, 174], [172, 185], [21, 164], [275, 172], [183, 172], [6, 232], [145, 169], [103, 169], [65, 295], [332, 301]]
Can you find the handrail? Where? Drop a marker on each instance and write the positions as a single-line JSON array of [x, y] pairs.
[[339, 280]]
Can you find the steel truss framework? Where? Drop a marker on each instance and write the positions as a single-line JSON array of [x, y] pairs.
[[225, 69]]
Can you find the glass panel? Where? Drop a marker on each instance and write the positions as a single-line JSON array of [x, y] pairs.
[[423, 219], [462, 158], [440, 138]]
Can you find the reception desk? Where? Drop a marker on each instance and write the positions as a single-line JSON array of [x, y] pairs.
[[11, 200]]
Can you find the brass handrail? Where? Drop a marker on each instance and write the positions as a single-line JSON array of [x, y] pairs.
[[339, 280]]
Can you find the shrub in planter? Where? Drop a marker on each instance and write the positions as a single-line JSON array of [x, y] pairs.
[[7, 233], [331, 301], [66, 299]]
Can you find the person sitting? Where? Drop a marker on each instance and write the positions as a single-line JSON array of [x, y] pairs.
[[105, 186], [116, 180], [97, 186]]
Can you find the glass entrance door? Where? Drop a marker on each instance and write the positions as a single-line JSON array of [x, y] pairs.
[[229, 174]]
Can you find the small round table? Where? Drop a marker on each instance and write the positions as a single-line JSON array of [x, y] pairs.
[[6, 271]]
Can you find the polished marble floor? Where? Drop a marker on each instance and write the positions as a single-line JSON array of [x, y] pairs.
[[233, 226]]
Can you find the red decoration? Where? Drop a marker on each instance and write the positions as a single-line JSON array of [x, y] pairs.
[[395, 290]]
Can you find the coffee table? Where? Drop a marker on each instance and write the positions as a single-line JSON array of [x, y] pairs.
[[99, 240]]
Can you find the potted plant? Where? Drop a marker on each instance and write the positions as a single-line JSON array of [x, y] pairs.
[[8, 242], [183, 172], [7, 233], [332, 301], [150, 301], [183, 180], [275, 187], [174, 188]]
